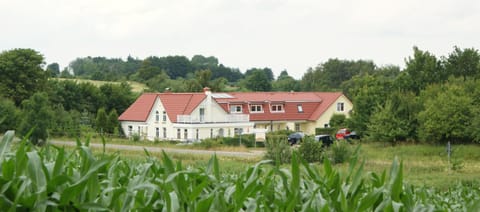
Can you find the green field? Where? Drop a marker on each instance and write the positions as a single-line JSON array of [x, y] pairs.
[[424, 165], [49, 178], [136, 86]]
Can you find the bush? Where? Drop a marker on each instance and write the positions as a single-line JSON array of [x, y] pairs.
[[340, 151], [209, 143], [325, 131], [136, 137], [247, 140], [311, 151], [278, 150]]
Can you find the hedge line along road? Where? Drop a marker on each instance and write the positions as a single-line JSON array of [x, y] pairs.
[[249, 154]]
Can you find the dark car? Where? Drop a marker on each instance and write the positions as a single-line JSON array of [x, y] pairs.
[[326, 140], [295, 137]]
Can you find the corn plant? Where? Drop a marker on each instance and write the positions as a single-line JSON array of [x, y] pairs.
[[54, 179]]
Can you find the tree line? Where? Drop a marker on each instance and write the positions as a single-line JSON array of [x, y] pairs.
[[432, 99]]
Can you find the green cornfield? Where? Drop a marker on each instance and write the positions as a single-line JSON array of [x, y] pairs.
[[53, 179]]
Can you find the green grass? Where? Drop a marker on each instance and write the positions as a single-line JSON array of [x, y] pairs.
[[424, 165], [84, 179], [136, 86], [161, 144]]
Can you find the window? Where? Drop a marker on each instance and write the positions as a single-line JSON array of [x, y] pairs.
[[164, 116], [202, 114], [340, 106], [238, 131], [157, 132], [196, 134], [325, 125], [164, 132], [256, 108], [157, 116], [297, 127], [130, 129], [277, 108], [235, 109], [185, 133], [211, 133], [220, 132], [179, 133], [300, 108]]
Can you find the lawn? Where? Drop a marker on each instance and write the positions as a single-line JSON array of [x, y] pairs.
[[426, 164], [136, 86]]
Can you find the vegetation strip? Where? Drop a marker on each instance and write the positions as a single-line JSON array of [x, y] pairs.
[[50, 179], [249, 154]]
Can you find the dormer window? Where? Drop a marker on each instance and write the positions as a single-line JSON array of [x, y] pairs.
[[256, 109], [300, 108], [235, 108], [277, 108]]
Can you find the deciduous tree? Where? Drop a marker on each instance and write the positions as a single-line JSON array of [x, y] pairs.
[[463, 63], [36, 116], [21, 74]]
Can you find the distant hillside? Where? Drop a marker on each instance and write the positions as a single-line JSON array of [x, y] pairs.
[[136, 86]]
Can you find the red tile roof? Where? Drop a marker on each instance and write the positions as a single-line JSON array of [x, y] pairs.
[[174, 103], [313, 104], [140, 109], [180, 103]]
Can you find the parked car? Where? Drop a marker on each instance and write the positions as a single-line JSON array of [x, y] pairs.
[[326, 140], [295, 137], [345, 133]]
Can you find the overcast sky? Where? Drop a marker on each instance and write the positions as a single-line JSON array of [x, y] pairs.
[[290, 35]]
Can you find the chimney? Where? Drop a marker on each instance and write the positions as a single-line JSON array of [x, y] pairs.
[[207, 91]]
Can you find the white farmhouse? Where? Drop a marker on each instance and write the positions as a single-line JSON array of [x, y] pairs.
[[196, 116]]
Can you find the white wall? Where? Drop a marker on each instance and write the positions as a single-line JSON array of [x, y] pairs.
[[214, 116]]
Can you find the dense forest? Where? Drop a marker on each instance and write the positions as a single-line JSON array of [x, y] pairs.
[[433, 99]]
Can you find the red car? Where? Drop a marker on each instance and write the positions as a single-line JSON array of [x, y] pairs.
[[345, 133]]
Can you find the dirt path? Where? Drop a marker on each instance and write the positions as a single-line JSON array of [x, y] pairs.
[[250, 154]]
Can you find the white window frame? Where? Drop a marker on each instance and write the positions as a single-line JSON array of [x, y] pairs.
[[130, 130], [254, 108], [340, 106], [300, 108], [164, 132], [234, 108], [221, 132], [164, 118], [277, 107]]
